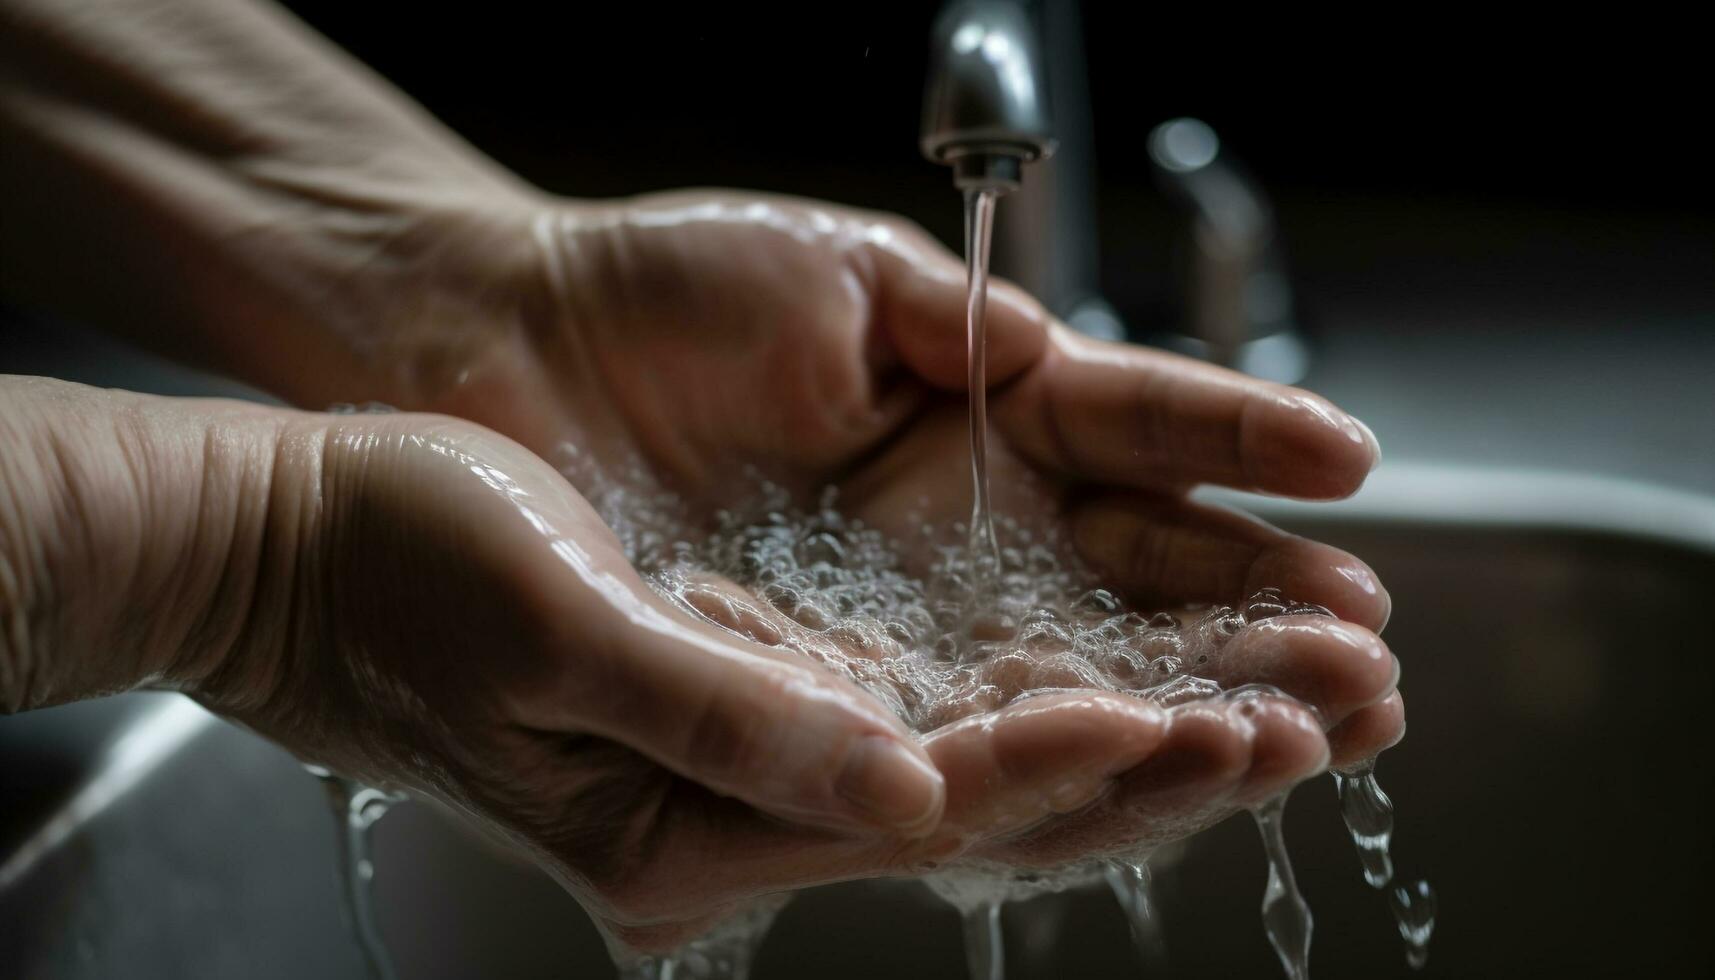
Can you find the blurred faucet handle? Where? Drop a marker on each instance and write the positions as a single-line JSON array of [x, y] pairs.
[[1238, 308]]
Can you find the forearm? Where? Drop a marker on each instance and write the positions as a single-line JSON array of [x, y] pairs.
[[219, 182], [132, 536]]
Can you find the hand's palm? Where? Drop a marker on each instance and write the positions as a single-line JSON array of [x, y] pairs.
[[682, 341]]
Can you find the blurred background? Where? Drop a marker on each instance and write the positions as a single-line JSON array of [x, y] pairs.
[[1499, 243]]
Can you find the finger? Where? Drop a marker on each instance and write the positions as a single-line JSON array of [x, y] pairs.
[[1368, 732], [1038, 757], [1167, 551], [1117, 414], [1182, 787], [1287, 747], [1215, 757], [921, 295], [742, 718], [1336, 668], [1005, 771]]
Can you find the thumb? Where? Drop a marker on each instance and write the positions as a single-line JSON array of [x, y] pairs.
[[756, 723], [921, 293]]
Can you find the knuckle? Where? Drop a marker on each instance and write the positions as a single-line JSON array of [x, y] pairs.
[[728, 737]]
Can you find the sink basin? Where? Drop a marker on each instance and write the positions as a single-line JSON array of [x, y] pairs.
[[1551, 788]]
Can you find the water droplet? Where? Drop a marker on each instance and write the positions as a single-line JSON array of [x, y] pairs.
[[985, 947], [1413, 908], [356, 809], [1285, 915]]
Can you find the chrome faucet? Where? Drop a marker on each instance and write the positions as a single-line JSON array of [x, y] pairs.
[[985, 111], [1007, 86]]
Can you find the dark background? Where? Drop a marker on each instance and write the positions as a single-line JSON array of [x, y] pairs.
[[642, 95], [1541, 166]]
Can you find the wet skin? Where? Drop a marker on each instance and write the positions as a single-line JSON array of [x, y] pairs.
[[691, 335]]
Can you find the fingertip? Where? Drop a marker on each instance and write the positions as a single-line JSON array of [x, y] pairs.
[[1300, 444], [1368, 732], [1203, 754], [1287, 747], [1336, 667], [1310, 571], [1370, 439], [1087, 733], [1046, 755]]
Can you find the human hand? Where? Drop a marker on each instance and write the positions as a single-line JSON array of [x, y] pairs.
[[434, 609], [705, 334], [421, 604]]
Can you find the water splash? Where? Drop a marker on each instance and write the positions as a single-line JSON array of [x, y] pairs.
[[1285, 914], [1368, 813], [356, 808]]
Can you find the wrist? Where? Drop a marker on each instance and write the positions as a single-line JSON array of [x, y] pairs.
[[255, 202], [432, 289], [131, 531]]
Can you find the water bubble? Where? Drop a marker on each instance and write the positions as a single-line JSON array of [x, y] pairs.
[[1227, 622], [1096, 602], [1046, 637], [1266, 604], [917, 624], [1182, 689], [823, 548]]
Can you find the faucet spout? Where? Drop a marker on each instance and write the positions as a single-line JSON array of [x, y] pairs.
[[985, 111]]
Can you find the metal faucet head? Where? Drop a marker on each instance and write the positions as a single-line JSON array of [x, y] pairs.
[[985, 112]]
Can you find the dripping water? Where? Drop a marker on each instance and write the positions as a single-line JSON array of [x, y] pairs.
[[723, 954], [1285, 914], [1369, 819], [356, 808], [985, 950], [1130, 882]]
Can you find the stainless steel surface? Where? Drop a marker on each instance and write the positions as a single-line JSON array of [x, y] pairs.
[[985, 109], [1551, 787]]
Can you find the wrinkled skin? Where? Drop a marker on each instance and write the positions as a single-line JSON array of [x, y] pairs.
[[701, 333]]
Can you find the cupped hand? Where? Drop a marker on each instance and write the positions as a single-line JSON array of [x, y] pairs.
[[682, 339], [434, 609]]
